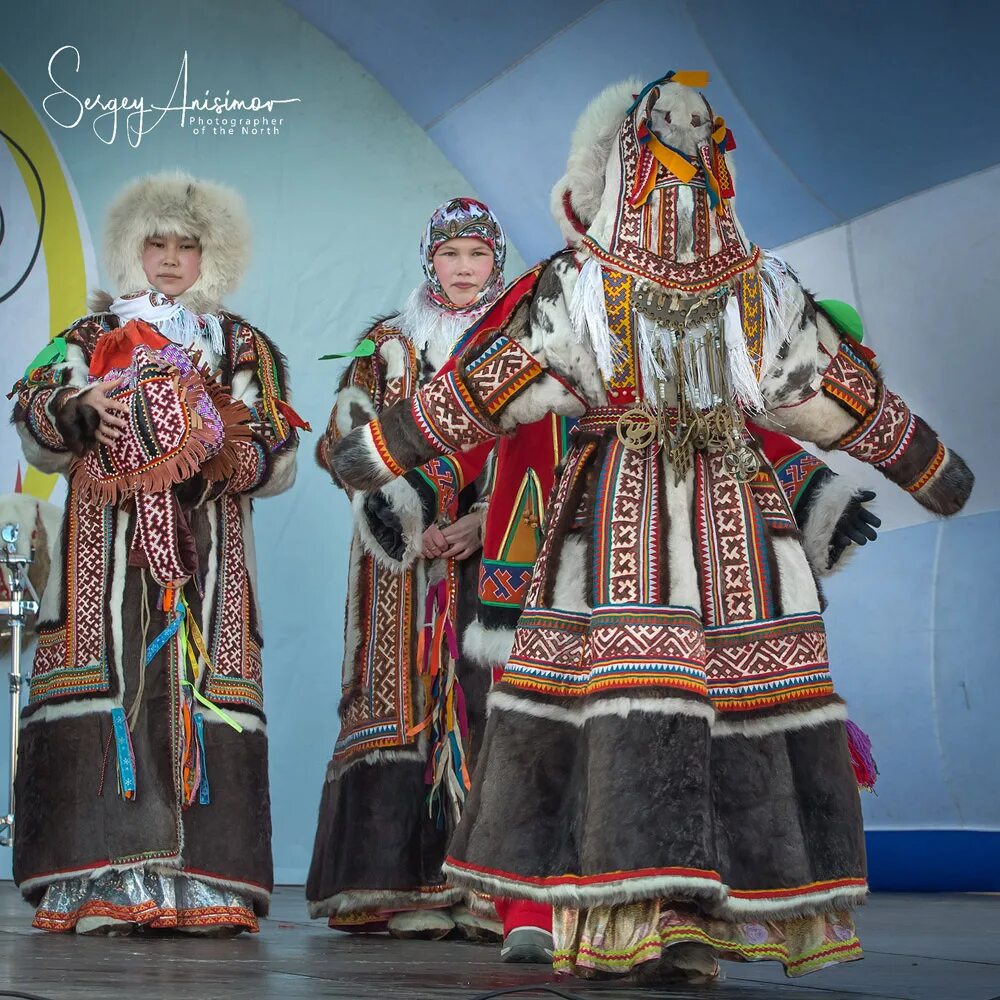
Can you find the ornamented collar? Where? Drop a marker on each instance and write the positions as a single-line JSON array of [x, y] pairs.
[[175, 321]]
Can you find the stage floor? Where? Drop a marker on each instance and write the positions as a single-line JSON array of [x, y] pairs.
[[941, 947]]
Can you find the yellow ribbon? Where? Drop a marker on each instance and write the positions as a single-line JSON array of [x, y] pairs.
[[681, 168], [691, 77], [188, 653]]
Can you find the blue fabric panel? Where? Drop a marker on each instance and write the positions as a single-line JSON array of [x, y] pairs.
[[431, 56], [933, 860]]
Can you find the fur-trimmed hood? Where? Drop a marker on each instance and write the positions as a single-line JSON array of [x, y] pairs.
[[576, 196], [177, 203]]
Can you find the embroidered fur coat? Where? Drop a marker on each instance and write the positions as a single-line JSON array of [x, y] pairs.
[[379, 845], [666, 728], [99, 612]]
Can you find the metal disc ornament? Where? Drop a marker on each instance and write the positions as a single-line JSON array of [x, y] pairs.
[[742, 463], [637, 428]]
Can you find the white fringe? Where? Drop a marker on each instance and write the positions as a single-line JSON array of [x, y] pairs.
[[589, 315], [775, 276], [185, 329], [429, 326], [739, 368], [647, 335]]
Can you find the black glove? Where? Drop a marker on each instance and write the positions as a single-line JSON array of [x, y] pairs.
[[856, 525], [384, 524]]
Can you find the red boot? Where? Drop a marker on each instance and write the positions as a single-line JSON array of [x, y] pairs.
[[527, 931]]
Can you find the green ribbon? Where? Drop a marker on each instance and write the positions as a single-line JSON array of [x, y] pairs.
[[844, 317], [185, 682], [364, 350], [52, 353]]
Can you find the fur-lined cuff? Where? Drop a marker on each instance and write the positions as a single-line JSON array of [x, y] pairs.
[[403, 501], [828, 499], [358, 461], [489, 647], [947, 486]]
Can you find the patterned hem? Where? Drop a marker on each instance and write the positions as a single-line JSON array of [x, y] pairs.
[[148, 916], [148, 899], [615, 940]]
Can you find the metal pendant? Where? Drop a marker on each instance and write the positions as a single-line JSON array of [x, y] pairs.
[[637, 428], [742, 463], [673, 310]]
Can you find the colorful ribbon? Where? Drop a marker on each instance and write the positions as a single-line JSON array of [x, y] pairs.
[[125, 754]]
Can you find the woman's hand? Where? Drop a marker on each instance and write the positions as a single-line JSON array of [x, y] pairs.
[[434, 543], [463, 537], [454, 541], [112, 413]]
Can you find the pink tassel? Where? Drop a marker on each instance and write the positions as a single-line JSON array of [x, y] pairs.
[[865, 768]]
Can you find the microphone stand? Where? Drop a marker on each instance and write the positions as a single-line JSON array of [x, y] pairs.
[[23, 601]]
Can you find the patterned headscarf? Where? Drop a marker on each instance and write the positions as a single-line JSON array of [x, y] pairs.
[[452, 220]]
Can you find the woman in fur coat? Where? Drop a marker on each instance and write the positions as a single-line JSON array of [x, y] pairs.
[[412, 712], [666, 760], [170, 416]]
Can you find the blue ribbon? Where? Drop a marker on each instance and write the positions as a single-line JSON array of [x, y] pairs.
[[166, 635], [204, 796], [126, 768]]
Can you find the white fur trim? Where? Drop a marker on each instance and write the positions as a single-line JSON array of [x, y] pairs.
[[434, 330], [830, 501], [489, 647], [787, 722], [116, 598], [212, 573], [797, 584], [245, 387], [337, 769], [69, 710], [251, 723], [50, 604], [595, 134], [178, 204], [585, 896], [546, 395], [789, 908], [404, 502], [42, 881], [354, 900], [350, 398], [716, 896], [43, 459], [505, 701], [685, 590], [570, 590]]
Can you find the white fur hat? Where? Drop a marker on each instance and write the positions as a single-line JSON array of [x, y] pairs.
[[576, 196], [178, 204]]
